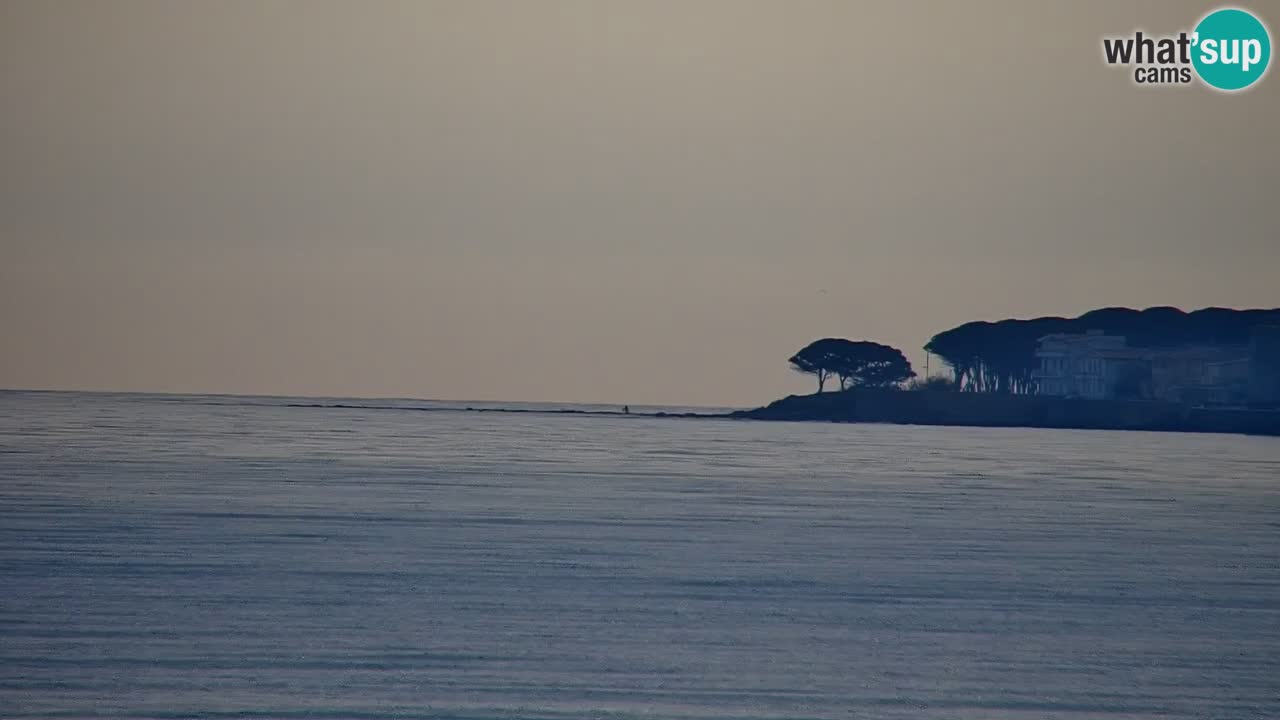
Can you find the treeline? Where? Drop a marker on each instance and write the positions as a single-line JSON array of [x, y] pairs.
[[855, 363], [1000, 356]]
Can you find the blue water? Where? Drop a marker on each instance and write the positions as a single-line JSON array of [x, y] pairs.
[[197, 556]]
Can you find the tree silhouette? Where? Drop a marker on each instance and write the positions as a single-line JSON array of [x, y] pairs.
[[856, 363], [1000, 356], [817, 359], [870, 364]]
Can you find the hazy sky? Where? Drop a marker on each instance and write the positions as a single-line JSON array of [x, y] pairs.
[[640, 202]]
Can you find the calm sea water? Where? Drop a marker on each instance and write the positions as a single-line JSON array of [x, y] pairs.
[[167, 557]]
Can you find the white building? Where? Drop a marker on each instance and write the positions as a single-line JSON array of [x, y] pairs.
[[1099, 366], [1080, 365]]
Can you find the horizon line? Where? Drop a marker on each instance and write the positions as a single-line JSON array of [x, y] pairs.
[[167, 393]]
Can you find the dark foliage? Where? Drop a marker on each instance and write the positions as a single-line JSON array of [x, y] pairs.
[[1000, 356], [934, 383], [856, 363]]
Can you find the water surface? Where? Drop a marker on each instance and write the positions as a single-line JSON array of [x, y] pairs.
[[223, 557]]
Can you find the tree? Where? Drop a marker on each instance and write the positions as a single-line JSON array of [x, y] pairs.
[[1000, 356], [856, 363], [816, 359], [870, 364]]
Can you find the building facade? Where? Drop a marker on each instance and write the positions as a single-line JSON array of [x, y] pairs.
[[1200, 374], [1084, 366], [1099, 366]]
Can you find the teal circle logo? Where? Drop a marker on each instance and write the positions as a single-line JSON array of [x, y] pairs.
[[1232, 49]]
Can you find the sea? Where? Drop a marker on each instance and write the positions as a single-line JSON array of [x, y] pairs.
[[246, 557]]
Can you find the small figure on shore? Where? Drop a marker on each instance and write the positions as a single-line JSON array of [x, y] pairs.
[[626, 409]]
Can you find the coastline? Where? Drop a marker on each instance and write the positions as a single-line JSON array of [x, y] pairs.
[[900, 407], [1006, 410]]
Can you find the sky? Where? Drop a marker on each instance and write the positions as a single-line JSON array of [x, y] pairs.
[[639, 202]]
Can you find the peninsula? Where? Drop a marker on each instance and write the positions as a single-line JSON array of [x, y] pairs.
[[1160, 369]]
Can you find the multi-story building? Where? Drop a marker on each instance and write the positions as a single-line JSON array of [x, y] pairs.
[[1200, 374], [1083, 366], [1100, 366]]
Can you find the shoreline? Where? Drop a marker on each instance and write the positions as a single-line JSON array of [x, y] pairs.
[[526, 411], [880, 406], [903, 407], [898, 407]]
